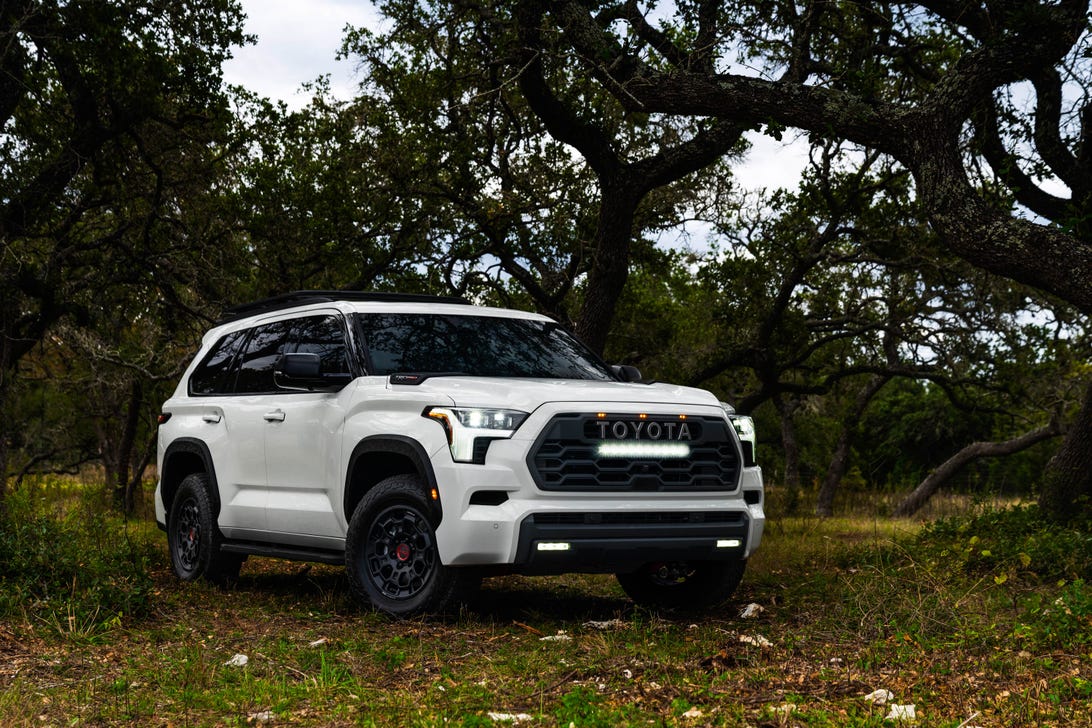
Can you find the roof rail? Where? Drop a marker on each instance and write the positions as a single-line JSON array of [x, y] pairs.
[[301, 298]]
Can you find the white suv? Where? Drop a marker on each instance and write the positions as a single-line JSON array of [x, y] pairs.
[[424, 442]]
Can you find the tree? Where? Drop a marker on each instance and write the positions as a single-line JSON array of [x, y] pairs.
[[316, 201], [908, 80], [110, 112], [461, 80]]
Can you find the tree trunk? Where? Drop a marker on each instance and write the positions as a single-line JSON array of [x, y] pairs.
[[839, 461], [124, 453], [610, 266], [133, 487], [976, 450], [791, 448], [1066, 493]]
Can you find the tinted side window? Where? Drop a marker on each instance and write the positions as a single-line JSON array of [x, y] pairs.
[[323, 335], [211, 376], [264, 347]]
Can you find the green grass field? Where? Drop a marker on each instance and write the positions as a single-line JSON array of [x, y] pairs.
[[981, 621]]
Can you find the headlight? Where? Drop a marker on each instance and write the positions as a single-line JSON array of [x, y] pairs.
[[744, 426], [469, 430]]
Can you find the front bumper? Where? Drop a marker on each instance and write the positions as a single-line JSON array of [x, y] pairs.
[[597, 543]]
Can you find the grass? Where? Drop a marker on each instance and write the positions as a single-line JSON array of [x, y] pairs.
[[851, 605]]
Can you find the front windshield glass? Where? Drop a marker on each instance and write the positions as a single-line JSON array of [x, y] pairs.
[[482, 346]]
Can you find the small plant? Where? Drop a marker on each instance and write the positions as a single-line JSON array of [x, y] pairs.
[[1061, 620], [581, 705]]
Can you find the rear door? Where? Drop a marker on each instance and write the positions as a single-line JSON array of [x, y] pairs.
[[241, 465]]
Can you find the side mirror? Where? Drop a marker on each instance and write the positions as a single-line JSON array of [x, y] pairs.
[[299, 366], [303, 371], [626, 373]]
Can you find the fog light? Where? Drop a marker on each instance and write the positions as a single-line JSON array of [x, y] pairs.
[[553, 546], [729, 543]]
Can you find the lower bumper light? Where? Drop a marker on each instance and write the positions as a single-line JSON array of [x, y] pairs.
[[553, 546], [729, 543]]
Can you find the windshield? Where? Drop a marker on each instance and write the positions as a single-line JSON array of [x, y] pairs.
[[484, 346]]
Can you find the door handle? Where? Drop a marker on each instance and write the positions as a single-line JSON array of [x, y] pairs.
[[274, 416], [212, 419]]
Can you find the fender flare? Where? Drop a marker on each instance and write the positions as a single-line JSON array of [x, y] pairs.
[[190, 446], [399, 445]]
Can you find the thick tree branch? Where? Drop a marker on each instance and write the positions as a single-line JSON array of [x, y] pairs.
[[967, 455]]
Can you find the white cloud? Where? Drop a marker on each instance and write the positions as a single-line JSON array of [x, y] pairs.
[[297, 42]]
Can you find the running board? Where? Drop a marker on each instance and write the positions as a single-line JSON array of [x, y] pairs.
[[292, 553]]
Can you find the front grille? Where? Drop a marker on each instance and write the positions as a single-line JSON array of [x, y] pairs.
[[566, 458]]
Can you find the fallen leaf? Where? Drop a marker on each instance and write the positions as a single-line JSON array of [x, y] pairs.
[[608, 624], [509, 717], [880, 697], [751, 611], [756, 640], [902, 712]]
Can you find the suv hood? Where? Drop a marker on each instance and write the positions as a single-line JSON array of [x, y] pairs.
[[529, 394]]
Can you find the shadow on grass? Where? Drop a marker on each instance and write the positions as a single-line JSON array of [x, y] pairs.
[[563, 599]]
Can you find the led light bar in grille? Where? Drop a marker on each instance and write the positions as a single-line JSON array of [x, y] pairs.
[[662, 450]]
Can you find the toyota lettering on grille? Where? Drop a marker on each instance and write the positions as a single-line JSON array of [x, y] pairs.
[[644, 430]]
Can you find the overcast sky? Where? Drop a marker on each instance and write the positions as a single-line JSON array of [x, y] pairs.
[[298, 41]]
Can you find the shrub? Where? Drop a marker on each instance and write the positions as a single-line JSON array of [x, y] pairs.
[[1012, 542], [79, 569]]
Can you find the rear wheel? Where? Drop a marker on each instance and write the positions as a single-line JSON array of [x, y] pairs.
[[193, 537], [391, 554], [683, 585]]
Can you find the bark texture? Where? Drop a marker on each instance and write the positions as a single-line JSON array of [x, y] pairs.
[[1066, 493]]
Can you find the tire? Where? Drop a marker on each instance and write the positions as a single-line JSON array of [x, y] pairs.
[[391, 555], [683, 586], [194, 539]]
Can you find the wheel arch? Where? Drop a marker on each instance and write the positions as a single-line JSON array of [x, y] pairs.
[[377, 458], [186, 456]]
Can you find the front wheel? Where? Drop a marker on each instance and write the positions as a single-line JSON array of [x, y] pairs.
[[683, 585], [391, 554]]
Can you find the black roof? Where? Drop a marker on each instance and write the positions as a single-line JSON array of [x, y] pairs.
[[302, 298]]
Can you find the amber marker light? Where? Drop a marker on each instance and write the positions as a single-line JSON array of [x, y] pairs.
[[441, 417], [642, 416], [435, 494], [601, 415], [682, 417]]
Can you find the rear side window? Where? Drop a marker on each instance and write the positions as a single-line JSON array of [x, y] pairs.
[[211, 375]]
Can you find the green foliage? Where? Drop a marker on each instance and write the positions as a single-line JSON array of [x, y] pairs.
[[76, 569], [1062, 619], [582, 706], [1008, 543]]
